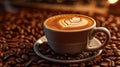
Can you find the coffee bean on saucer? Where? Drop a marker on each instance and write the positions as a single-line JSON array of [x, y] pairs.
[[40, 61], [73, 65], [96, 66], [45, 65]]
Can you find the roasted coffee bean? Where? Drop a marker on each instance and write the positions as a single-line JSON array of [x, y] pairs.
[[18, 52], [40, 61], [19, 65], [109, 52], [25, 57], [86, 54], [48, 50], [6, 65], [118, 34], [112, 58], [6, 57], [107, 60], [118, 58], [105, 64], [28, 63], [45, 65], [96, 66], [113, 46], [114, 38], [108, 47], [1, 54], [118, 62], [3, 39], [81, 65], [117, 66], [34, 58], [12, 45], [8, 36], [19, 60], [112, 64], [32, 53], [117, 52], [11, 62], [22, 45], [5, 47], [73, 65], [1, 64]]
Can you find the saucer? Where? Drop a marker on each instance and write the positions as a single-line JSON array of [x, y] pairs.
[[94, 43]]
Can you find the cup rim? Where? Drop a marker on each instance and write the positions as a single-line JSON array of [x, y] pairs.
[[45, 26]]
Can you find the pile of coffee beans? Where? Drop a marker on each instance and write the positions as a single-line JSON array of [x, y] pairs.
[[51, 54], [19, 31]]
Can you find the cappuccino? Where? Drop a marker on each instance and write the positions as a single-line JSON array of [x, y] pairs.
[[68, 22], [72, 33]]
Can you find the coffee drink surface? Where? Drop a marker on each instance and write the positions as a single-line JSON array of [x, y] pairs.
[[68, 22]]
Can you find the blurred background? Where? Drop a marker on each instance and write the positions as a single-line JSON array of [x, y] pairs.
[[91, 6]]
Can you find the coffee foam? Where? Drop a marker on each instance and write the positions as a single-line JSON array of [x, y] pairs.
[[69, 22], [73, 22]]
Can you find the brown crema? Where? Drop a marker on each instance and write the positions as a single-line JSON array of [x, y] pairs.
[[53, 22]]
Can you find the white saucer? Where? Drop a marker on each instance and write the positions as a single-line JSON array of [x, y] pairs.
[[94, 43]]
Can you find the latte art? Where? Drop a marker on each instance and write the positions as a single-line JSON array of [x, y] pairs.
[[73, 22], [69, 22]]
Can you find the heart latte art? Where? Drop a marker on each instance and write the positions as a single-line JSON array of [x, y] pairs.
[[73, 22], [68, 22]]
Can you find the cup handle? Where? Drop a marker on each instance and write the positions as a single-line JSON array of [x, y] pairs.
[[108, 36]]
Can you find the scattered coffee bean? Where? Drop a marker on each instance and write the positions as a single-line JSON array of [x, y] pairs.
[[40, 61], [11, 62], [25, 57], [118, 58], [34, 58], [96, 66], [19, 60], [1, 54], [6, 57], [28, 63], [1, 64], [117, 52], [12, 45], [118, 62], [112, 64], [114, 38], [73, 65], [117, 66], [107, 60], [105, 64]]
